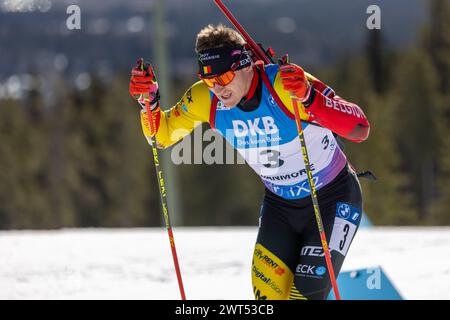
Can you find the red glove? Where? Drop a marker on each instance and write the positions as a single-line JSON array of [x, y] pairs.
[[144, 88], [294, 80], [143, 84]]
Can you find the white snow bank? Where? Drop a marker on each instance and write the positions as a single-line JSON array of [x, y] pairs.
[[215, 262]]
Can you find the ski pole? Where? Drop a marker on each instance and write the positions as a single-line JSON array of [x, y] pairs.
[[260, 54], [315, 201], [162, 189]]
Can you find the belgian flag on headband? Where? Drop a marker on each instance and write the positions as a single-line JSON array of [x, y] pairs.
[[207, 69]]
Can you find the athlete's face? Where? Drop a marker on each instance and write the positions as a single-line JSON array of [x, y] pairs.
[[232, 93]]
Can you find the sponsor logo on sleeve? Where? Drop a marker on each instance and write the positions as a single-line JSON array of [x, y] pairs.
[[310, 271]]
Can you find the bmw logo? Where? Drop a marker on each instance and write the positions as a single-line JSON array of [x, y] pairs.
[[344, 210]]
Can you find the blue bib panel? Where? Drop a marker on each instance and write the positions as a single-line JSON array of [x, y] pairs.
[[268, 140]]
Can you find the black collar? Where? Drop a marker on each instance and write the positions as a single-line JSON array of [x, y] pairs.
[[252, 103]]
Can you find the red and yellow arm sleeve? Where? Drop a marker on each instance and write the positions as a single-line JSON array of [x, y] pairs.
[[329, 110], [180, 120]]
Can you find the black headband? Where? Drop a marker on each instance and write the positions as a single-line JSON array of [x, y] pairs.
[[213, 62]]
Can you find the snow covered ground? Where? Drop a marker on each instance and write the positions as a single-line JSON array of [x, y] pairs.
[[215, 262]]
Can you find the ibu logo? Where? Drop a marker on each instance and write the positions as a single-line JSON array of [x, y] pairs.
[[257, 126], [344, 210]]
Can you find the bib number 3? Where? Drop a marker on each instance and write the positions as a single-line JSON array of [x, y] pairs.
[[342, 243], [272, 158]]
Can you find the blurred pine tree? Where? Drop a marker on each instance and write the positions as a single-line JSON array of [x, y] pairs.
[[134, 191], [385, 201], [416, 100], [437, 43], [23, 163]]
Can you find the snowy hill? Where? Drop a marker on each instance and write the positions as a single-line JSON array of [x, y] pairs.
[[215, 262]]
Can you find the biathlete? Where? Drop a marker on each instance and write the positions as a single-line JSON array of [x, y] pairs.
[[250, 105]]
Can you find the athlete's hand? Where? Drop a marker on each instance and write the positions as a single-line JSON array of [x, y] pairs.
[[294, 80], [143, 84], [144, 88]]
